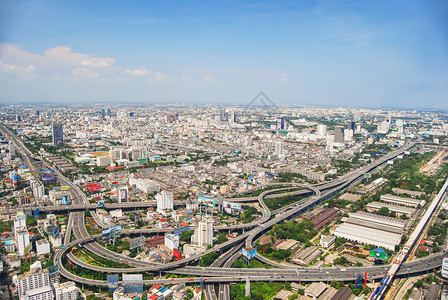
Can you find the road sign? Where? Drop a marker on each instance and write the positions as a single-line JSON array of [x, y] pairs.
[[137, 242]]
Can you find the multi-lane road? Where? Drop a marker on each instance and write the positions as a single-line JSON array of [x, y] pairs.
[[221, 272]]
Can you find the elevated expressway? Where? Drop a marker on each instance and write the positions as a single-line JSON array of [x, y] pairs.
[[225, 274], [299, 274]]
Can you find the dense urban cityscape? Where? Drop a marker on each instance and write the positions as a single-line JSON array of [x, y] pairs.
[[222, 202]]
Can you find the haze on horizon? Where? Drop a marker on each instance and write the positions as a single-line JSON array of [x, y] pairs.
[[330, 53]]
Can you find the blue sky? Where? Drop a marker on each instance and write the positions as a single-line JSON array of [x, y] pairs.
[[350, 53]]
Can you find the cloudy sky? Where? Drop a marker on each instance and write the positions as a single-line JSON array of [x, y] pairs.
[[354, 53]]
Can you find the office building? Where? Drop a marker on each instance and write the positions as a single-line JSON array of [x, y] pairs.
[[66, 291], [11, 150], [339, 134], [165, 201], [58, 135], [203, 235], [279, 149], [232, 117], [281, 123], [18, 118], [103, 113], [42, 247], [321, 130], [38, 189], [23, 240], [123, 194], [351, 125], [172, 241], [35, 285]]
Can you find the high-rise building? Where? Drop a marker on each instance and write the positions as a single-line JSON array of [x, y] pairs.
[[19, 221], [34, 285], [165, 201], [172, 241], [123, 194], [203, 235], [339, 134], [23, 240], [37, 112], [103, 113], [321, 130], [279, 149], [18, 118], [281, 123], [66, 291], [11, 150], [58, 135], [232, 117], [223, 116], [351, 125], [109, 112], [38, 188]]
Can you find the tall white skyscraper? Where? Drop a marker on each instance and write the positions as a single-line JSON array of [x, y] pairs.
[[203, 235], [23, 239], [11, 150], [279, 149], [164, 201], [321, 130]]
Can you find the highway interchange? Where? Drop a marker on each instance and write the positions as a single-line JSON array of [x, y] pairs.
[[221, 272]]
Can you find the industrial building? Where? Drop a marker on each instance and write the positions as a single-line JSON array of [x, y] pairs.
[[400, 210], [306, 256], [324, 218], [366, 228], [402, 201]]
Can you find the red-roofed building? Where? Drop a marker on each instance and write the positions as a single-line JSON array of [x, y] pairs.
[[153, 297]]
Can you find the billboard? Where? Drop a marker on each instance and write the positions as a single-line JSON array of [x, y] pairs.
[[137, 242], [99, 203], [249, 253], [36, 212], [47, 177], [177, 254], [93, 187], [133, 283], [206, 201], [230, 205], [182, 229], [379, 254], [46, 172], [66, 200], [54, 271], [65, 188], [27, 249], [112, 282], [106, 232]]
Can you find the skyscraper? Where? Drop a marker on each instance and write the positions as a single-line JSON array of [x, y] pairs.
[[58, 135], [279, 149], [339, 134], [11, 150], [203, 235], [103, 113], [34, 284], [281, 123], [164, 201], [321, 130], [23, 240], [351, 125]]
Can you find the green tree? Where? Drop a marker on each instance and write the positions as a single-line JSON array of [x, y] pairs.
[[384, 211]]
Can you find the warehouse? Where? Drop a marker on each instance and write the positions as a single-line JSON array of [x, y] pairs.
[[325, 217], [400, 210], [306, 256], [365, 228], [391, 199]]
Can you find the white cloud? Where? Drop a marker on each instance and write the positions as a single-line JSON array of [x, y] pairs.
[[138, 72], [98, 62], [283, 80], [22, 72], [158, 76], [7, 67], [211, 79], [83, 72]]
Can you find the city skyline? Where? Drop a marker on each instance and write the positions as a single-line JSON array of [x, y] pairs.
[[310, 53]]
